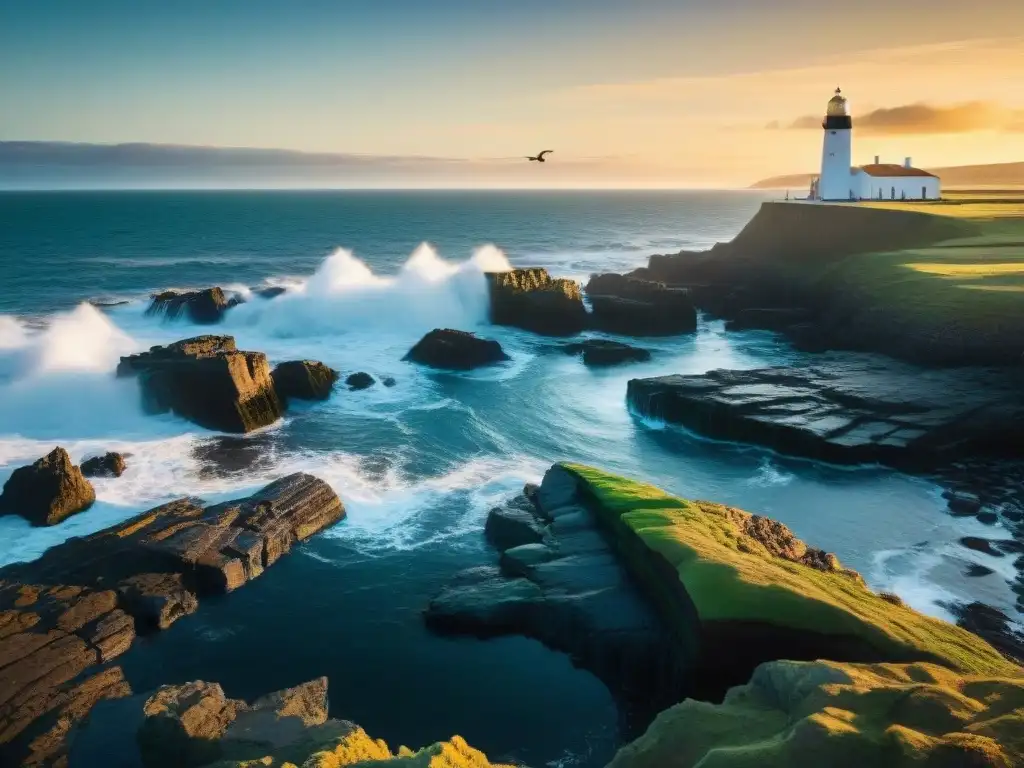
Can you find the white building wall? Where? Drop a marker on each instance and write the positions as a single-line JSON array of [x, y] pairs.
[[898, 187], [836, 159]]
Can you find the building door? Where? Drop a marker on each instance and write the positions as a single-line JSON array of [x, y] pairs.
[[924, 193], [894, 193]]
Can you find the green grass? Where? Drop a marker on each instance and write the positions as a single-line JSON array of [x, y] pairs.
[[729, 576]]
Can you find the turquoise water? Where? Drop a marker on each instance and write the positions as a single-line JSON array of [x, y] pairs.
[[417, 466]]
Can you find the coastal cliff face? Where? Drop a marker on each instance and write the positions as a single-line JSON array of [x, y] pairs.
[[850, 277]]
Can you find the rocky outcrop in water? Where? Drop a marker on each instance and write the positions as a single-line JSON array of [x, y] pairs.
[[303, 380], [48, 491], [195, 724], [558, 581], [65, 615], [455, 350], [846, 409], [359, 380], [107, 465], [207, 380], [635, 307], [204, 307], [600, 352], [532, 300]]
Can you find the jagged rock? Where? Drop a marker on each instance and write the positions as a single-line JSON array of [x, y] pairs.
[[627, 305], [195, 724], [47, 491], [205, 307], [979, 544], [768, 318], [207, 380], [304, 380], [598, 352], [146, 572], [991, 624], [360, 380], [530, 299], [974, 570], [846, 408], [54, 643], [107, 465], [515, 524], [455, 350]]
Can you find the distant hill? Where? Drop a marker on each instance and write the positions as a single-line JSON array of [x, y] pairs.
[[995, 175]]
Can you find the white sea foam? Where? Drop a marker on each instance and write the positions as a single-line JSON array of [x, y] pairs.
[[769, 475]]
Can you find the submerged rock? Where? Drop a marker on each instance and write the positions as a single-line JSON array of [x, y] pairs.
[[456, 350], [68, 613], [532, 300], [195, 724], [207, 380], [47, 491], [303, 380], [360, 380], [599, 352], [204, 307], [107, 465], [270, 292], [635, 307], [846, 409]]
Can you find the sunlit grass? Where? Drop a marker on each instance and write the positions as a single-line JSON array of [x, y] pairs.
[[969, 270]]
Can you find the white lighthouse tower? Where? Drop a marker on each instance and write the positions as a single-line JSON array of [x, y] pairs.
[[836, 155]]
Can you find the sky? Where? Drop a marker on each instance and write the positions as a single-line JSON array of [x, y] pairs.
[[688, 92]]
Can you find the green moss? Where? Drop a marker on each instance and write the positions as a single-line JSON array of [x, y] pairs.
[[729, 576], [842, 716]]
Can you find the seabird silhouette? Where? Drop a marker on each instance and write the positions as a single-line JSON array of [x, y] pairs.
[[540, 158]]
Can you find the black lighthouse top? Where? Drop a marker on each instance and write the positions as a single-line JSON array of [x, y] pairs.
[[837, 117]]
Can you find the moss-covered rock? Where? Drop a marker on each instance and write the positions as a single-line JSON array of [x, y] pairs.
[[737, 590], [843, 716]]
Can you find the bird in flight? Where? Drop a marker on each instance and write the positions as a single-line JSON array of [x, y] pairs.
[[540, 158]]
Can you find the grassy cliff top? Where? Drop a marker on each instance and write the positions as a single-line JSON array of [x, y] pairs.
[[842, 716], [732, 571]]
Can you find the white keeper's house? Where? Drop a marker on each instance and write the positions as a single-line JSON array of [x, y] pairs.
[[840, 180]]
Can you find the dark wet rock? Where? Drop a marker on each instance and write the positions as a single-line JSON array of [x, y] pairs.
[[303, 380], [962, 503], [768, 318], [1010, 546], [979, 544], [532, 300], [846, 408], [634, 307], [988, 518], [1013, 515], [102, 304], [598, 352], [64, 616], [208, 381], [360, 380], [974, 571], [56, 643], [991, 624], [388, 381], [47, 491], [107, 465], [455, 350], [205, 307], [270, 292], [559, 582]]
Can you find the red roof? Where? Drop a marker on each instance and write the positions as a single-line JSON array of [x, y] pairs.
[[893, 169]]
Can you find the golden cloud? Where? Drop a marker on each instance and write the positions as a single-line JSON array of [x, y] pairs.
[[923, 118]]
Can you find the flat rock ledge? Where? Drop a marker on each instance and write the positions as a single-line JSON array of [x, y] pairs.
[[446, 348], [558, 581], [65, 616], [195, 724], [636, 307], [597, 353], [847, 408]]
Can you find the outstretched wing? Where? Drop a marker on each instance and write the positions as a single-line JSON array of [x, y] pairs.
[[545, 152]]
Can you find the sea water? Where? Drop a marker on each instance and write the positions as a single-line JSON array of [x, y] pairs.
[[417, 465]]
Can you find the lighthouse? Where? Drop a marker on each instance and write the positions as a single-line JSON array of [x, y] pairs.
[[837, 151]]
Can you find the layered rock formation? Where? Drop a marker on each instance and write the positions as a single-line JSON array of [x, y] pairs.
[[303, 380], [48, 491], [600, 352], [195, 724], [455, 350], [207, 380], [107, 465], [638, 307], [204, 307], [822, 713], [532, 300], [63, 616], [846, 409]]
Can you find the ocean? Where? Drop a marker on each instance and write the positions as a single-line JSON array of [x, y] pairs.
[[417, 465]]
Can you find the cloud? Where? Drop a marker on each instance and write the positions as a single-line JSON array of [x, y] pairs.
[[926, 119]]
